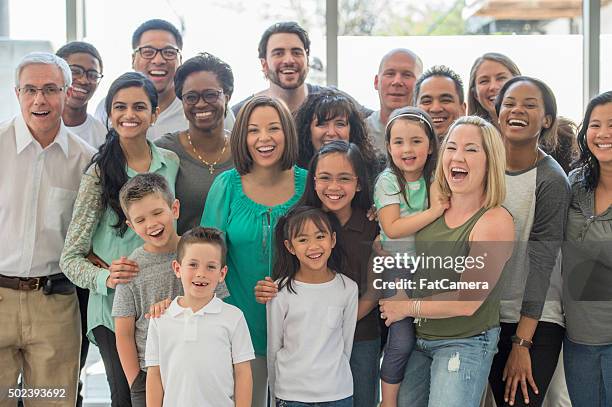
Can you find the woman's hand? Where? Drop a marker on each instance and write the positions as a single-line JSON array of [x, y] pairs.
[[158, 309], [395, 308], [518, 371], [96, 261], [265, 290], [121, 271], [437, 201]]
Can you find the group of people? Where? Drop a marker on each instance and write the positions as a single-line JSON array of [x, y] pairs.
[[224, 256]]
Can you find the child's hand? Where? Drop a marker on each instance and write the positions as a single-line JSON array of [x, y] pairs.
[[158, 309], [439, 202], [265, 290], [121, 271], [372, 214]]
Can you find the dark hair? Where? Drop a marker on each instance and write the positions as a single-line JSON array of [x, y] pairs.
[[143, 185], [156, 24], [201, 235], [439, 70], [567, 147], [110, 160], [419, 116], [288, 27], [350, 151], [288, 226], [238, 141], [474, 106], [548, 137], [76, 47], [587, 162], [208, 63], [326, 105]]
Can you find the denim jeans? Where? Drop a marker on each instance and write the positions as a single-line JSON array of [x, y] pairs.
[[138, 390], [588, 372], [448, 372], [347, 402], [365, 361]]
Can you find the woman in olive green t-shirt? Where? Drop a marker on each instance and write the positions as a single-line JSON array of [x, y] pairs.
[[456, 305]]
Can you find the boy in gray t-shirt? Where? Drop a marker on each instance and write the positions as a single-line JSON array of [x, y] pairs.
[[151, 210]]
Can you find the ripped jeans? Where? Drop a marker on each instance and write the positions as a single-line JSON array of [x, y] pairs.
[[448, 372]]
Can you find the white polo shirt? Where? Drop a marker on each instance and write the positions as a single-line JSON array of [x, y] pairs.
[[196, 352], [38, 188]]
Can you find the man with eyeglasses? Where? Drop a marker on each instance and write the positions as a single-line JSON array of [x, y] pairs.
[[86, 66], [41, 163], [157, 46]]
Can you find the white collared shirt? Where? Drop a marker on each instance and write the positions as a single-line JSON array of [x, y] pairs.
[[196, 351], [37, 192]]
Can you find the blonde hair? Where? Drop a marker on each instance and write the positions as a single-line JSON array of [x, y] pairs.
[[495, 180]]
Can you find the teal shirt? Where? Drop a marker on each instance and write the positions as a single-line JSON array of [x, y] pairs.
[[387, 192], [91, 228], [249, 228]]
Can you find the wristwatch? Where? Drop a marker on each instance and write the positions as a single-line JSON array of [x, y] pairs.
[[521, 342]]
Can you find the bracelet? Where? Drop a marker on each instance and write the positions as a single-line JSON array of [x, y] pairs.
[[521, 342]]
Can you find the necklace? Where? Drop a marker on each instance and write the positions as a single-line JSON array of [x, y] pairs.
[[211, 166]]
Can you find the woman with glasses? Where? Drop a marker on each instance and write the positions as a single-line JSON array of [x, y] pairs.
[[204, 84], [246, 202]]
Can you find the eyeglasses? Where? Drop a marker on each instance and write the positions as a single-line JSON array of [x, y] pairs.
[[168, 53], [92, 75], [328, 179], [209, 96], [47, 90]]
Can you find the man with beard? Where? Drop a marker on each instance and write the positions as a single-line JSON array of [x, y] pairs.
[[440, 93], [283, 52], [398, 71], [157, 48]]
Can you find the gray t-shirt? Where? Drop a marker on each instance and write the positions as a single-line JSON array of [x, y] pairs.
[[192, 182], [154, 282]]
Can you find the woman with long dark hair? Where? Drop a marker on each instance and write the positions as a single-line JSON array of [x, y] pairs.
[[98, 240]]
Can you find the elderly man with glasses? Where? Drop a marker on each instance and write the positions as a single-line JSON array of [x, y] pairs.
[[157, 46], [41, 163], [86, 67]]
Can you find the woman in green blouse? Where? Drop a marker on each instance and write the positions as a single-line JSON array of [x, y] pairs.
[[98, 240], [246, 202]]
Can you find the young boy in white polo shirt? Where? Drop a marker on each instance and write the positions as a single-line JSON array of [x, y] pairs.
[[198, 353]]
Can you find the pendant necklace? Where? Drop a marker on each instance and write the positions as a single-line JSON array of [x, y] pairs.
[[211, 166]]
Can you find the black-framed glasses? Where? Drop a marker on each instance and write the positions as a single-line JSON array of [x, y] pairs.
[[92, 75], [168, 53], [209, 96], [47, 90]]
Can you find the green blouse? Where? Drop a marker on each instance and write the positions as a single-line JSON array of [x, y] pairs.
[[249, 229], [91, 229]]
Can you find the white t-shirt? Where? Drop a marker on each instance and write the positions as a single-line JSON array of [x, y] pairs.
[[169, 121], [196, 352], [310, 338], [92, 131]]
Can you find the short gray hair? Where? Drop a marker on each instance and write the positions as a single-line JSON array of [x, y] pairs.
[[46, 58]]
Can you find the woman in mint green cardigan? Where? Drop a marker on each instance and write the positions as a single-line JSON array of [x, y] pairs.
[[98, 224], [246, 202]]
